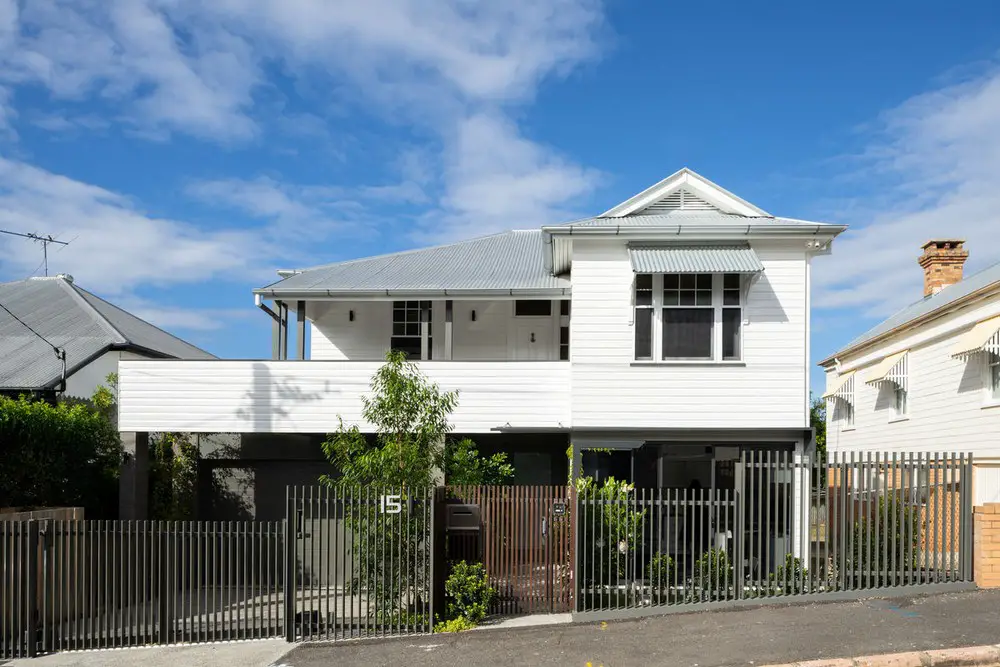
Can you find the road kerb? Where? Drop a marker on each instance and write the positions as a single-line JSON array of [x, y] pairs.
[[970, 656]]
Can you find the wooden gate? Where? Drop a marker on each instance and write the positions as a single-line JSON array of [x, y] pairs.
[[524, 541]]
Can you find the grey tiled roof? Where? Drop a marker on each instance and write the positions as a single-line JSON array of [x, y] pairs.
[[695, 259], [508, 261], [687, 218], [72, 318], [929, 304]]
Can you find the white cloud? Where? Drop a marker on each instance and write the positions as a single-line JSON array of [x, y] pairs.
[[115, 247], [934, 170], [172, 318]]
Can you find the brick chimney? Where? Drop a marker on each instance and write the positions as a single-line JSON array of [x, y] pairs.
[[942, 262]]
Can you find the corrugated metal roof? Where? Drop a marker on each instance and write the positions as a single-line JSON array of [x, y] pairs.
[[695, 259], [75, 320], [508, 261], [688, 218], [928, 305]]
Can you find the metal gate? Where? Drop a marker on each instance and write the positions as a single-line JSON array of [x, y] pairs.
[[71, 584], [360, 562], [523, 537]]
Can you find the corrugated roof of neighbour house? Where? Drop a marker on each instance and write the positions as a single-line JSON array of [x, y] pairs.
[[928, 305], [75, 320], [508, 261], [695, 259]]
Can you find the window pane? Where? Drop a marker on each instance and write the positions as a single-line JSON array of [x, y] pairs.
[[704, 298], [688, 281], [644, 333], [671, 298], [644, 298], [399, 304], [398, 329], [731, 281], [732, 318], [687, 333], [564, 307], [564, 335], [644, 281], [995, 375], [687, 298], [671, 281], [730, 298], [532, 308], [411, 346], [705, 281], [413, 329]]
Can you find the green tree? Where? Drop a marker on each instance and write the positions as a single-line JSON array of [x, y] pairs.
[[68, 454], [463, 466], [817, 419]]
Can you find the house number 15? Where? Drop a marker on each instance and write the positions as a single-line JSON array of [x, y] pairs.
[[390, 505]]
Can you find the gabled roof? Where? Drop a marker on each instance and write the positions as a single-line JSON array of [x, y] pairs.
[[926, 307], [688, 183], [687, 219], [81, 323], [507, 263]]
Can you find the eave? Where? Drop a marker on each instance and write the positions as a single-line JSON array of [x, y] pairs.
[[412, 294]]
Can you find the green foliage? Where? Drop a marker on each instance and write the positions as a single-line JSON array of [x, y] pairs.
[[660, 573], [410, 416], [454, 625], [468, 592], [463, 466], [789, 578], [611, 523], [817, 419], [173, 477], [897, 525], [67, 454], [713, 573]]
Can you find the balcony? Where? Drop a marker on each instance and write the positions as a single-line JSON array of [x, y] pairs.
[[250, 396]]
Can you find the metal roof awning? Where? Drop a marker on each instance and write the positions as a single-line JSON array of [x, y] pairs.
[[738, 258], [984, 337], [841, 386], [891, 369]]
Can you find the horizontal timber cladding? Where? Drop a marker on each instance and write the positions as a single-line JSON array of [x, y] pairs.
[[308, 397], [788, 527], [610, 389]]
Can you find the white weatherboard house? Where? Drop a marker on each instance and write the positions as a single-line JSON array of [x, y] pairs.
[[928, 378], [672, 329]]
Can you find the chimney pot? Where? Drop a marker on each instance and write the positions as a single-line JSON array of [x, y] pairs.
[[943, 261]]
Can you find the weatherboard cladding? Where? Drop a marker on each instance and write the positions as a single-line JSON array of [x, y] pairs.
[[695, 259], [65, 316], [512, 260], [929, 304]]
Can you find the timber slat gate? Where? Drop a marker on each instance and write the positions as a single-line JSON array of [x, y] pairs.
[[356, 562]]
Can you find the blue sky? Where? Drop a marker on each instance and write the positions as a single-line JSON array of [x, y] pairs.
[[188, 149]]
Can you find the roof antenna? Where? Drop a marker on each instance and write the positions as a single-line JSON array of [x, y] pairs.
[[45, 240]]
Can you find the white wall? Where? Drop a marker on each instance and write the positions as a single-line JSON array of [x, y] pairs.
[[86, 380], [610, 390], [948, 407], [335, 337], [225, 396]]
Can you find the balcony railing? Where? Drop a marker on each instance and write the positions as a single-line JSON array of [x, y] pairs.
[[224, 396]]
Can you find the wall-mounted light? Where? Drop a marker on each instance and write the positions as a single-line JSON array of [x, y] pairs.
[[473, 316], [350, 315], [532, 336]]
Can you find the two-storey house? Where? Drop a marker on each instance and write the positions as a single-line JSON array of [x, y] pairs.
[[927, 379], [672, 330]]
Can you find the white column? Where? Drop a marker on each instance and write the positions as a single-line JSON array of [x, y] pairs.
[[425, 320]]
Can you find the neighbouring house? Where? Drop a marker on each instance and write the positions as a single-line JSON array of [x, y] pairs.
[[928, 378], [46, 321], [657, 340]]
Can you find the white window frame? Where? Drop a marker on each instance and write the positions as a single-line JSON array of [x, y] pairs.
[[900, 407], [718, 291], [991, 378]]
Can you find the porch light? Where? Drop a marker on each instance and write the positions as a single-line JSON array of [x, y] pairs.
[[473, 316], [350, 315]]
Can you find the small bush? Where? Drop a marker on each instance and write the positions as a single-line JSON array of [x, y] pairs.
[[789, 578], [468, 592], [714, 573], [454, 625], [660, 571]]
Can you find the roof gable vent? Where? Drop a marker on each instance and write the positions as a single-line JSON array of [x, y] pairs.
[[678, 200]]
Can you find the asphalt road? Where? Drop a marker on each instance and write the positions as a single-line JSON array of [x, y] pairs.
[[754, 636]]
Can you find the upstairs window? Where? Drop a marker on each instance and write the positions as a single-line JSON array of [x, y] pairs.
[[899, 401], [532, 308], [993, 375], [688, 316], [406, 334]]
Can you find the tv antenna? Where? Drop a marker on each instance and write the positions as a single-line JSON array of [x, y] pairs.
[[44, 239]]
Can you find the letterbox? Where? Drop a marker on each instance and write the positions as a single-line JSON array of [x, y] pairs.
[[462, 517]]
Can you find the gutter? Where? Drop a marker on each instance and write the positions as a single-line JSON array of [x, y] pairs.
[[259, 302], [404, 293], [701, 231]]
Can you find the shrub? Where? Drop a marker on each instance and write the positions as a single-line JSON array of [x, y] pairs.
[[454, 625], [660, 571], [789, 578], [468, 592], [897, 525], [713, 573]]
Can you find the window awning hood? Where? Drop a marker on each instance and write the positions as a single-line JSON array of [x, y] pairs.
[[984, 337], [733, 258], [840, 386], [891, 369]]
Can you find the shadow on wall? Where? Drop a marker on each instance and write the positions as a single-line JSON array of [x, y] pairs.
[[886, 397], [972, 375], [269, 399], [766, 304]]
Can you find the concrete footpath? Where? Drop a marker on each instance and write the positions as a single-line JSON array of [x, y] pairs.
[[749, 636]]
